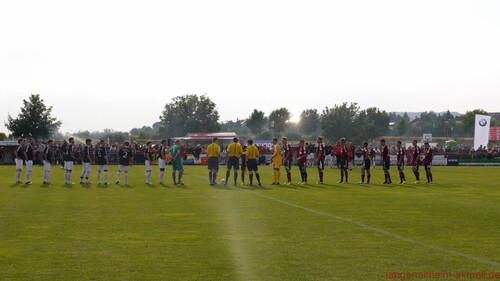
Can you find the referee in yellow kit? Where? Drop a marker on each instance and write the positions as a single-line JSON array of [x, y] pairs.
[[234, 152], [252, 155], [213, 155]]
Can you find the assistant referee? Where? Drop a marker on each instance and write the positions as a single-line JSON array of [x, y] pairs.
[[213, 154]]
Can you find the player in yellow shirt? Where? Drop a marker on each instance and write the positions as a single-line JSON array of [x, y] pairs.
[[213, 155], [234, 152], [276, 161], [252, 156]]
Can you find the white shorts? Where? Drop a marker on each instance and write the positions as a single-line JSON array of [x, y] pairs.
[[19, 164], [46, 166], [87, 167], [29, 165], [310, 156], [68, 165], [102, 167], [123, 167], [161, 163], [148, 165]]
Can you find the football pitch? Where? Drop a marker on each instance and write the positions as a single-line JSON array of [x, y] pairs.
[[198, 232]]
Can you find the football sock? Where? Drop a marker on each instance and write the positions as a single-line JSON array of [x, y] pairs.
[[251, 178], [363, 177], [173, 176], [69, 176], [28, 175], [321, 176], [305, 176], [227, 176], [118, 176], [214, 175], [430, 175], [278, 176], [243, 177], [180, 176], [18, 175], [289, 176], [417, 175], [105, 176], [342, 175], [161, 175], [86, 179], [99, 177], [368, 177], [235, 177], [210, 177], [258, 177], [126, 178], [346, 175]]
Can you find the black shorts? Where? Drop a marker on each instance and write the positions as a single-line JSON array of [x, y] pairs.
[[243, 165], [343, 164], [401, 166], [337, 157], [428, 166], [288, 165], [302, 167], [321, 164], [213, 163], [386, 165], [366, 165], [233, 162], [252, 165], [416, 166]]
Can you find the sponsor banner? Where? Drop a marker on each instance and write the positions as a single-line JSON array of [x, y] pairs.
[[482, 130], [494, 133]]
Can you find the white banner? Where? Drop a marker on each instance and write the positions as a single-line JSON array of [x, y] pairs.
[[482, 131]]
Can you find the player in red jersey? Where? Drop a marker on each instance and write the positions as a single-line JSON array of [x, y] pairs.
[[386, 160], [344, 161], [320, 158], [302, 160], [400, 152], [287, 159], [428, 156], [416, 161], [366, 164], [243, 160]]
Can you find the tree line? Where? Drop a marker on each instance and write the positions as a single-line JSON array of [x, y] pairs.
[[193, 113]]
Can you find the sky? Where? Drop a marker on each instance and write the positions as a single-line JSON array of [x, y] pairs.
[[115, 64]]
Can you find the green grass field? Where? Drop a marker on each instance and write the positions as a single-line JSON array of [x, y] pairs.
[[198, 232]]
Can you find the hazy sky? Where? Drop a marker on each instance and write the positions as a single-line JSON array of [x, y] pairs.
[[114, 64]]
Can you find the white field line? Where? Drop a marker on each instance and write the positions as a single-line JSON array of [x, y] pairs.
[[369, 227]]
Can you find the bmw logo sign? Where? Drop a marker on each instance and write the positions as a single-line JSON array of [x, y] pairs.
[[482, 122]]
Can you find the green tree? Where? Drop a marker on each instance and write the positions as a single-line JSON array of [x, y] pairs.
[[402, 127], [2, 136], [279, 117], [189, 113], [469, 119], [338, 121], [256, 122], [35, 120], [309, 120]]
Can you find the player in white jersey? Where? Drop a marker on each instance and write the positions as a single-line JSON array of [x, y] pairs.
[[47, 161], [86, 162], [162, 158], [19, 154], [102, 161]]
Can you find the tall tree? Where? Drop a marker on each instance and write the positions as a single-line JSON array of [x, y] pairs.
[[309, 120], [338, 121], [402, 127], [35, 120], [279, 117], [256, 122], [469, 119], [189, 113]]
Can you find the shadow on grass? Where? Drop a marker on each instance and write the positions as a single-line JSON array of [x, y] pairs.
[[164, 185], [221, 187], [126, 186]]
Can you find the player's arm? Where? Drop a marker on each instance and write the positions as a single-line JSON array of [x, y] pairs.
[[147, 156], [26, 154], [17, 154], [72, 154], [320, 154], [88, 155], [45, 155], [106, 156]]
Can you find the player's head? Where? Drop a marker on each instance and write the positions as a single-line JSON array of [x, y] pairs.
[[365, 144], [148, 144], [178, 142], [250, 142], [31, 141], [20, 141], [71, 140], [88, 141], [215, 140], [102, 142], [242, 142], [301, 143], [126, 143], [50, 142], [398, 143], [275, 141], [414, 142], [163, 142], [284, 140], [382, 142], [235, 139], [342, 141], [319, 139], [426, 144]]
